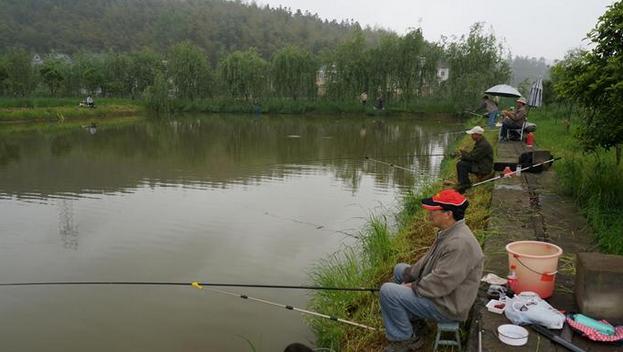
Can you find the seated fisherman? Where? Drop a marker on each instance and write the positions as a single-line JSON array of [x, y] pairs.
[[90, 102], [478, 161], [442, 285], [514, 119]]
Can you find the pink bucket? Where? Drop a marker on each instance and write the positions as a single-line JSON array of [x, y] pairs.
[[535, 265]]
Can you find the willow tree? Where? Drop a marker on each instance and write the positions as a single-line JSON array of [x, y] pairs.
[[476, 63], [293, 73], [243, 74], [347, 70], [189, 70]]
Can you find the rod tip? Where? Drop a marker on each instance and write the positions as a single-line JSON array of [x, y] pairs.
[[195, 284]]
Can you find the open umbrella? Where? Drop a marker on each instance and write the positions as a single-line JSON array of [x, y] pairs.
[[503, 90], [535, 98]]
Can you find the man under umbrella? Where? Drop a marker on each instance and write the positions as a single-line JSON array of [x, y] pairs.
[[514, 119]]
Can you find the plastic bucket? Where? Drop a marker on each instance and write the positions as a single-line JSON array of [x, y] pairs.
[[535, 265]]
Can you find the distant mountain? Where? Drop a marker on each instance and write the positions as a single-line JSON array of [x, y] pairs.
[[217, 26]]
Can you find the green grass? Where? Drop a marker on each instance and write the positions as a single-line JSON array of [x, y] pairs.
[[594, 180], [58, 109], [370, 262]]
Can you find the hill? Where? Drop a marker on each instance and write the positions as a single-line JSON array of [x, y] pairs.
[[217, 26]]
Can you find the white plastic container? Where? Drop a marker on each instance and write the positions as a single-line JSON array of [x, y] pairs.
[[512, 335]]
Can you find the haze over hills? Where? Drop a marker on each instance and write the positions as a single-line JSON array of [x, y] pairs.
[[217, 26]]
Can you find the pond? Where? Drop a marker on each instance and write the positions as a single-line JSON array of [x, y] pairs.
[[234, 199]]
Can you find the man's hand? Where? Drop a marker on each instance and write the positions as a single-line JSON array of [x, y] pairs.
[[408, 284]]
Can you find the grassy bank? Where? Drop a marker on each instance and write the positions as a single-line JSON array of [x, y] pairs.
[[302, 106], [370, 263], [594, 180], [59, 109]]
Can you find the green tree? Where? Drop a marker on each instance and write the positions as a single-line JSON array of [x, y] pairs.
[[52, 74], [157, 95], [293, 72], [243, 74], [594, 80], [20, 80], [144, 65], [476, 63], [188, 68]]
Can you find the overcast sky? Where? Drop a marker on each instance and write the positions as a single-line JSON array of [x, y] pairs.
[[534, 28]]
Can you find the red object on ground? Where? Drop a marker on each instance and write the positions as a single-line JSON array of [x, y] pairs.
[[507, 171], [530, 139]]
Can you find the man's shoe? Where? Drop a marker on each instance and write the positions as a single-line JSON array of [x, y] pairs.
[[410, 345]]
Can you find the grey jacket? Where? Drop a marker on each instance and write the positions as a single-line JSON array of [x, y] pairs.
[[449, 274]]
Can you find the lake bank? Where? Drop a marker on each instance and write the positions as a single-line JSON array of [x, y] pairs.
[[25, 110]]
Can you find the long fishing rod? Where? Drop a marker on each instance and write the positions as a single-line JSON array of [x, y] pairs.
[[288, 307], [389, 164], [473, 113], [207, 284], [516, 171]]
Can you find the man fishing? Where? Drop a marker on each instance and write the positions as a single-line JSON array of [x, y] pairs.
[[442, 285], [514, 119], [478, 161], [492, 110]]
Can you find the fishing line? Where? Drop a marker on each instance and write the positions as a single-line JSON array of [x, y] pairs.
[[207, 284]]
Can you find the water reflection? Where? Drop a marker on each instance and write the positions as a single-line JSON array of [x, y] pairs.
[[217, 151]]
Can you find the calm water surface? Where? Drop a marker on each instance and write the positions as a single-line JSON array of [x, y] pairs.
[[241, 199]]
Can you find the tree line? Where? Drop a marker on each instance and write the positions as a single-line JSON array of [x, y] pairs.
[[401, 68]]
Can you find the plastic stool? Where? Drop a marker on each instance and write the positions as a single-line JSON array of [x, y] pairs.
[[442, 328]]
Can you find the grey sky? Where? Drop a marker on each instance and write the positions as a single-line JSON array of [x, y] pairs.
[[547, 28]]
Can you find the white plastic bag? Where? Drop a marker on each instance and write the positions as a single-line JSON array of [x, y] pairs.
[[528, 308]]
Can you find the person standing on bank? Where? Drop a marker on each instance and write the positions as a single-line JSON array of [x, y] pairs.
[[442, 285], [492, 110], [478, 161], [364, 98]]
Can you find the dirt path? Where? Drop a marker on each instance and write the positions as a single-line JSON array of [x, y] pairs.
[[528, 207]]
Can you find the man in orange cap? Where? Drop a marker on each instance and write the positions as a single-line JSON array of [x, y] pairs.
[[442, 285]]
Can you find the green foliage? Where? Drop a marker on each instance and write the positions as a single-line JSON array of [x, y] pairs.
[[52, 76], [293, 73], [157, 95], [218, 27], [188, 68], [19, 79], [243, 74], [594, 81], [594, 180], [476, 63]]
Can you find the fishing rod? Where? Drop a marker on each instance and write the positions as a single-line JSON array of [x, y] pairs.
[[516, 171], [389, 164], [473, 113], [288, 307], [207, 284]]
